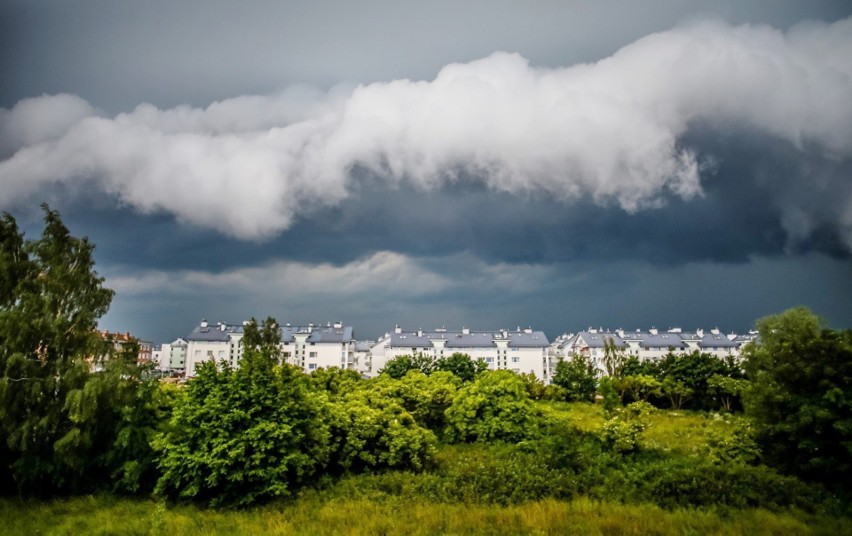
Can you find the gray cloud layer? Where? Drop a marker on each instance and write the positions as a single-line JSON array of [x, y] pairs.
[[610, 130]]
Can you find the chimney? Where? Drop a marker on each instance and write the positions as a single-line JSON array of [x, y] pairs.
[[528, 329], [620, 332], [465, 330], [397, 329], [699, 333], [419, 332], [715, 331], [653, 331], [338, 324], [203, 323]]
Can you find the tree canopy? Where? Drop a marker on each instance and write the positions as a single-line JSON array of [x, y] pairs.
[[800, 395], [63, 427]]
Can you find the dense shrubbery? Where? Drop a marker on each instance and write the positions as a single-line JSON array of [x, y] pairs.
[[461, 365], [689, 381], [495, 407]]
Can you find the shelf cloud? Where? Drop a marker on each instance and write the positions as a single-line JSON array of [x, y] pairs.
[[613, 131]]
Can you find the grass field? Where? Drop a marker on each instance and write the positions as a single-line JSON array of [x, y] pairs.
[[106, 515]]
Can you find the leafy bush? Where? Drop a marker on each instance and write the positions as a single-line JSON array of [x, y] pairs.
[[495, 407], [371, 431], [399, 366], [243, 436], [462, 366], [622, 432], [578, 377]]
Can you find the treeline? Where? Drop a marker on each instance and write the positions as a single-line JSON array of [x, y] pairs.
[[444, 430]]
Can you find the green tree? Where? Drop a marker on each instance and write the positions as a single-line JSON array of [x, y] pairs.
[[693, 371], [676, 391], [800, 395], [59, 420], [578, 377], [535, 388], [462, 366], [614, 358], [728, 390], [245, 435], [335, 381], [639, 388], [400, 365], [495, 407]]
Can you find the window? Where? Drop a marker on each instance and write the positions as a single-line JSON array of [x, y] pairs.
[[286, 354], [312, 366], [489, 359], [313, 354], [516, 359]]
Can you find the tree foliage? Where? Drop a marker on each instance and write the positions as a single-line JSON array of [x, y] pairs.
[[614, 358], [399, 366], [800, 395], [495, 407], [65, 428], [462, 366], [578, 377], [373, 431], [244, 435]]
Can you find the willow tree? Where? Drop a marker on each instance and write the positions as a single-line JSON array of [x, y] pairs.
[[58, 419]]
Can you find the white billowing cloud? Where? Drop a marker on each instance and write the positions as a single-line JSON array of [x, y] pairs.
[[40, 119], [248, 166]]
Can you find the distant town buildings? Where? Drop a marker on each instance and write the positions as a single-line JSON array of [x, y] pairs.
[[521, 351], [308, 347], [649, 345], [333, 344]]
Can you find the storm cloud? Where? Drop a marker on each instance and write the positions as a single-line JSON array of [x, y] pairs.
[[618, 132]]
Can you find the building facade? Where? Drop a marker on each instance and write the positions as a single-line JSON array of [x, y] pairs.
[[521, 351], [308, 347], [650, 345]]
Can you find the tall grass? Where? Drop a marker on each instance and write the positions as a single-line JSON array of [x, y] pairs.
[[99, 515]]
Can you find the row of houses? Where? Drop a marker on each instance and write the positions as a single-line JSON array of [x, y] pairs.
[[333, 344]]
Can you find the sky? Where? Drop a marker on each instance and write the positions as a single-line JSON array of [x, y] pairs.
[[490, 164]]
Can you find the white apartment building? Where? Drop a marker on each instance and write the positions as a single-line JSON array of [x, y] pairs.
[[651, 345], [308, 347], [521, 351], [177, 355]]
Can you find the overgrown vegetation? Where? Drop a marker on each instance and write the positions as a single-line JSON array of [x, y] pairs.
[[78, 414]]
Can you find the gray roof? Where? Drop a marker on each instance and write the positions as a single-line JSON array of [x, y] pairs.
[[660, 340], [716, 341], [317, 334], [473, 339], [213, 333], [597, 340], [364, 346]]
